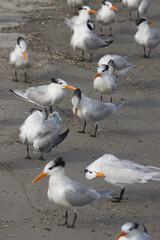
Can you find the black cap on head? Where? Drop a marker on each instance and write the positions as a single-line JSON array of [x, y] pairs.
[[19, 39], [140, 20], [59, 162], [77, 93], [104, 2], [80, 8], [54, 80]]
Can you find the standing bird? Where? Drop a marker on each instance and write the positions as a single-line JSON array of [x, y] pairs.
[[130, 232], [77, 3], [146, 37], [42, 132], [106, 15], [121, 63], [67, 193], [45, 95], [83, 17], [104, 81], [83, 38], [141, 6], [121, 172], [93, 110], [19, 57]]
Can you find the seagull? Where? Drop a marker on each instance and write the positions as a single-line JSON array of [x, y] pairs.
[[91, 109], [121, 63], [104, 81], [141, 6], [106, 15], [67, 193], [77, 3], [145, 36], [83, 17], [19, 57], [83, 38], [121, 172], [45, 95], [42, 131], [130, 232]]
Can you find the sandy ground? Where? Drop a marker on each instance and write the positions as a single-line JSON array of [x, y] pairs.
[[133, 133]]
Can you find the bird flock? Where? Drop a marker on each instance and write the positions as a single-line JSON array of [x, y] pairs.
[[42, 128]]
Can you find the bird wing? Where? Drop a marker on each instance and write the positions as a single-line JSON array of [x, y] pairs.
[[93, 42], [60, 138], [39, 95], [143, 7]]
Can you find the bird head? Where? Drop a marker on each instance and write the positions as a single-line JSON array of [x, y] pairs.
[[22, 46], [102, 69], [128, 229], [86, 9], [109, 5], [61, 83]]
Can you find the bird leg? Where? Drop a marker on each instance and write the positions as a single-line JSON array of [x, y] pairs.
[[111, 99], [82, 59], [41, 157], [144, 52], [28, 156], [101, 34], [90, 60], [130, 15], [51, 110], [149, 53], [75, 217], [25, 77], [118, 199], [101, 98], [16, 80], [66, 220], [94, 135], [110, 31], [83, 131]]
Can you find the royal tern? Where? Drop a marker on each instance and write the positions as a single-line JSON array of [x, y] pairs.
[[45, 95], [106, 15], [83, 17], [121, 63], [130, 232], [83, 38], [19, 57], [67, 193], [42, 131], [93, 110], [146, 37], [141, 6], [104, 81], [121, 172], [77, 3]]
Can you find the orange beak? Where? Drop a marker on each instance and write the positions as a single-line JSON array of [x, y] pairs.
[[41, 175], [99, 174], [97, 75], [25, 56], [75, 113], [70, 87], [114, 8], [120, 234], [92, 11], [149, 22]]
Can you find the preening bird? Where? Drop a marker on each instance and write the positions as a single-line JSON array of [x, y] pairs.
[[84, 39], [106, 15], [130, 232], [42, 131], [77, 3], [83, 17], [122, 66], [146, 37], [121, 172], [19, 57], [104, 81], [92, 110], [141, 6], [45, 95], [67, 193]]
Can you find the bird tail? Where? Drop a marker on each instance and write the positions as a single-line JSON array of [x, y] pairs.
[[60, 138], [19, 96], [107, 42], [129, 57], [104, 194], [119, 105]]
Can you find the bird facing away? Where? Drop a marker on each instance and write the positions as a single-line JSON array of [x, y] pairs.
[[84, 39], [93, 110], [45, 95], [106, 15], [83, 17], [140, 6], [42, 131], [67, 193], [146, 37], [121, 63], [121, 172], [130, 232], [77, 3], [104, 81], [19, 57]]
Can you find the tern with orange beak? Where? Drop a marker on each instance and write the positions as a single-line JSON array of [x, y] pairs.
[[19, 57], [130, 232], [92, 110], [146, 37], [104, 81], [106, 15], [121, 172], [83, 17], [45, 95], [67, 193]]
